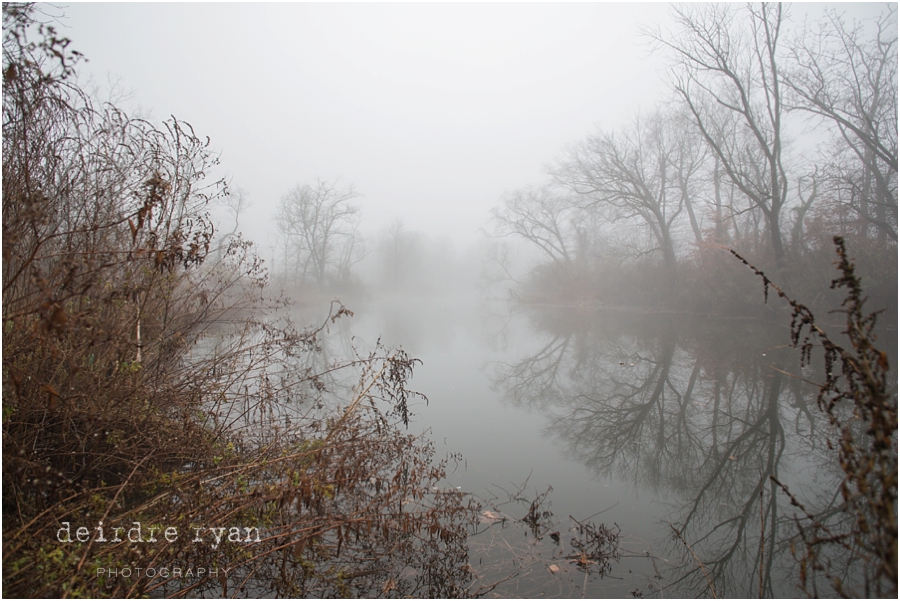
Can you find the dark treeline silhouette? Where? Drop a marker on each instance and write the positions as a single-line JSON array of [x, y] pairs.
[[643, 215]]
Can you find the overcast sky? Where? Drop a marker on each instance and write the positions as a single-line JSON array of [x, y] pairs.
[[431, 110]]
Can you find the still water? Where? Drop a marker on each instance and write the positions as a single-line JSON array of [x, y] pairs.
[[664, 428]]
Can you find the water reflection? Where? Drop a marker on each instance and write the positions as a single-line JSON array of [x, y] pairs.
[[703, 413]]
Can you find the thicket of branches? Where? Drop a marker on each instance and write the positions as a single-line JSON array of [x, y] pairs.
[[145, 382], [645, 213]]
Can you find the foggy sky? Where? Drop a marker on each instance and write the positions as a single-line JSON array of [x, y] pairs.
[[431, 110]]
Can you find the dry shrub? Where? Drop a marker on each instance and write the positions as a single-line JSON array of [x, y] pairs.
[[859, 399], [143, 384]]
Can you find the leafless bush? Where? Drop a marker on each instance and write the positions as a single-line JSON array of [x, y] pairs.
[[145, 385], [861, 404]]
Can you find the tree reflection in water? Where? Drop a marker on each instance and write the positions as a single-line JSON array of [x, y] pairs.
[[703, 413]]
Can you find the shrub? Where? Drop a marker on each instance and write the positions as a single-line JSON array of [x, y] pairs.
[[861, 404], [143, 384]]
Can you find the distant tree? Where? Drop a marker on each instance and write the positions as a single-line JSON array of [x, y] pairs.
[[400, 251], [644, 172], [730, 77], [545, 219], [690, 154], [849, 79], [319, 227]]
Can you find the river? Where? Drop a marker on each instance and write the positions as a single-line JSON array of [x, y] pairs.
[[664, 428]]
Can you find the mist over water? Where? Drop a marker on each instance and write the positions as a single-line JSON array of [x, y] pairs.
[[645, 421], [541, 206]]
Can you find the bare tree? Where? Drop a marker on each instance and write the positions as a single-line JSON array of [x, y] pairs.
[[849, 79], [545, 219], [644, 172], [730, 80], [690, 156], [319, 227]]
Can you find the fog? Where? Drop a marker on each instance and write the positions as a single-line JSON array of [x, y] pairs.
[[431, 110], [540, 204]]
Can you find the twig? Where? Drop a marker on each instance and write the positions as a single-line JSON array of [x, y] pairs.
[[712, 589]]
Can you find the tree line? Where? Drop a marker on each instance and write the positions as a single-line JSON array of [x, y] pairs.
[[319, 248], [776, 137]]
